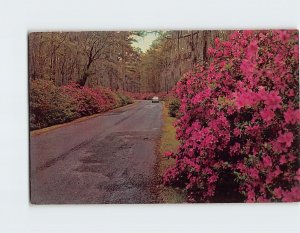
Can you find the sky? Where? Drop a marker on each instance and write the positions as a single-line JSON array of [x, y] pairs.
[[145, 42]]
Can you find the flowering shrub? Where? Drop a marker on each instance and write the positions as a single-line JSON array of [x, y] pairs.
[[50, 105], [239, 124], [88, 101]]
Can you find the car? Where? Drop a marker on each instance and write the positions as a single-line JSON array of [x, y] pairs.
[[155, 99]]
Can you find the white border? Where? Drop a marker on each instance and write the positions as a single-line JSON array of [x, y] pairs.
[[19, 17]]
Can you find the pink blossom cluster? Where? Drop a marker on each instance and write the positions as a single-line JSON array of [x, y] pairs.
[[51, 104], [240, 121], [91, 100]]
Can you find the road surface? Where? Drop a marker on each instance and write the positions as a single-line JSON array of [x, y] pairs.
[[107, 159]]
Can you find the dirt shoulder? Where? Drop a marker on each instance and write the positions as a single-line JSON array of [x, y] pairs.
[[167, 142]]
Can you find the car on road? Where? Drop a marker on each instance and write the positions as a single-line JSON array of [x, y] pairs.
[[155, 99]]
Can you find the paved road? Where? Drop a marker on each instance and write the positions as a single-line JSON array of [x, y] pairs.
[[106, 159]]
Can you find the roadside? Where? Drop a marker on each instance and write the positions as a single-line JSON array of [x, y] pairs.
[[78, 120], [168, 142]]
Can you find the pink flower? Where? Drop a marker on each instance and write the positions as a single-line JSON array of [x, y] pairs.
[[282, 160], [236, 132], [207, 171], [261, 92], [241, 166], [262, 199], [168, 154], [227, 44], [251, 196], [201, 96], [292, 116], [267, 114], [272, 175], [284, 35], [252, 49], [212, 179], [277, 171], [267, 161], [235, 149], [296, 51], [293, 195], [291, 157], [247, 67], [278, 193], [273, 100], [245, 99], [210, 191], [252, 130], [253, 173], [210, 51], [286, 139], [277, 147], [217, 41]]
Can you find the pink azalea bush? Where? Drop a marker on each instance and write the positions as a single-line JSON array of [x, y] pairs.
[[239, 124], [50, 104], [94, 100]]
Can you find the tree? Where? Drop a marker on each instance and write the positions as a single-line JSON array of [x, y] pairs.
[[173, 54], [87, 58]]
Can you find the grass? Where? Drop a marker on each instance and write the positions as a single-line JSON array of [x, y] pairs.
[[168, 142]]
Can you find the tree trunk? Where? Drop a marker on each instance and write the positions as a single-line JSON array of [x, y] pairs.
[[83, 79]]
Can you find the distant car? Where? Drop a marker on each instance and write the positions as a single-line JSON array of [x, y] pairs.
[[155, 99]]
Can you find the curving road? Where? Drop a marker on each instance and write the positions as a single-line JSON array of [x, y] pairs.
[[107, 159]]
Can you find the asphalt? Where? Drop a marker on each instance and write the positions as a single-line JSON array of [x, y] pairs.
[[107, 159]]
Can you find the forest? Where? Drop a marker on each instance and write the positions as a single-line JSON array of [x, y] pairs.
[[108, 58]]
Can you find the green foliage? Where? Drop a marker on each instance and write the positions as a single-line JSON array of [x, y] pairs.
[[49, 105], [174, 107], [168, 142], [123, 99]]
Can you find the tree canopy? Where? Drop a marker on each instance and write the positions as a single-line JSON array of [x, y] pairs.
[[108, 59]]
